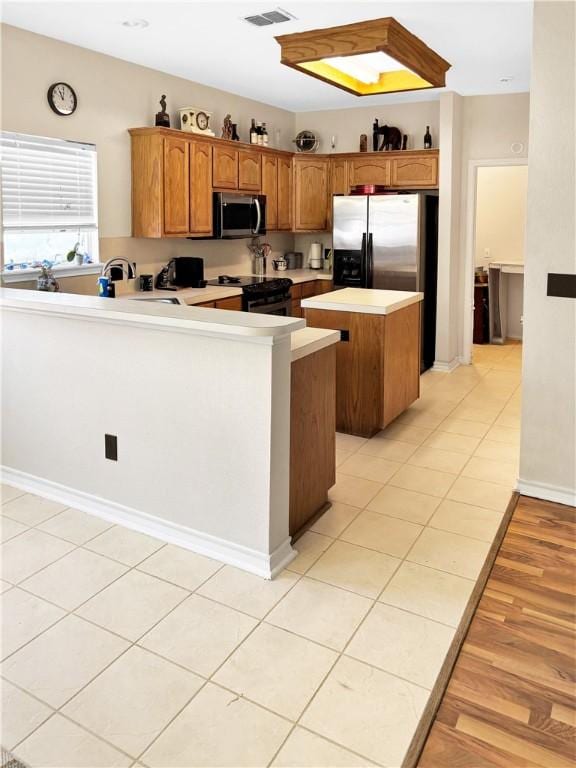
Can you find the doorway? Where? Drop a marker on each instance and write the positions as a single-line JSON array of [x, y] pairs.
[[494, 277]]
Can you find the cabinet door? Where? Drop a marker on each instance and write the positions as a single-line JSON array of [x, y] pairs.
[[270, 189], [311, 193], [176, 186], [201, 187], [338, 184], [233, 302], [415, 172], [249, 170], [284, 167], [225, 168], [339, 176], [370, 170]]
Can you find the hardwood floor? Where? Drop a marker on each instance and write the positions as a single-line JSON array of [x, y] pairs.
[[510, 701]]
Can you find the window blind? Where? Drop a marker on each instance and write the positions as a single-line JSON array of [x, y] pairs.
[[47, 183]]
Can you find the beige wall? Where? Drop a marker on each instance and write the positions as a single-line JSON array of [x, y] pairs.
[[548, 440], [500, 213], [493, 128], [348, 124], [114, 95]]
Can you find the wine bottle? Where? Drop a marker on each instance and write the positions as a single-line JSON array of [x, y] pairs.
[[427, 138], [264, 135], [259, 137], [253, 133]]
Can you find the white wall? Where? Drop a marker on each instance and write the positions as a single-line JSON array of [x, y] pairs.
[[548, 440], [500, 213], [113, 96], [501, 229], [202, 423], [348, 124]]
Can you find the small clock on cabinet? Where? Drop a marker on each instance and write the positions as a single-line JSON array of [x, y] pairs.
[[196, 120], [62, 99]]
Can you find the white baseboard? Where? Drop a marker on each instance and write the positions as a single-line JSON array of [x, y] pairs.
[[441, 367], [259, 563], [557, 494]]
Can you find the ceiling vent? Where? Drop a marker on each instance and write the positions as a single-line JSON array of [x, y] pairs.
[[270, 17]]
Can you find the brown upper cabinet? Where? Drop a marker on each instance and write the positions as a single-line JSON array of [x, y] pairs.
[[412, 172], [200, 188], [176, 186], [249, 170], [284, 166], [174, 176], [370, 169], [270, 189], [225, 168], [310, 193], [277, 186]]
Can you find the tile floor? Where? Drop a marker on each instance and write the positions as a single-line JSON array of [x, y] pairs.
[[118, 650]]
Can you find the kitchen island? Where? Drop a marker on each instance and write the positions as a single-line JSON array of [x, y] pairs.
[[378, 356]]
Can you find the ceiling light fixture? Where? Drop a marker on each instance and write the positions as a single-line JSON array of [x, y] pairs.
[[136, 23], [378, 56]]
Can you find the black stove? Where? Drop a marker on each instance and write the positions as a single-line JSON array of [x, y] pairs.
[[267, 295], [240, 280]]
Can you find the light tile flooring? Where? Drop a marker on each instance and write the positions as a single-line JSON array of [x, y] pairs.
[[118, 650]]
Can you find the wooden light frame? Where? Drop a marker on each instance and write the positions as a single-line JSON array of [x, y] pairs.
[[305, 52]]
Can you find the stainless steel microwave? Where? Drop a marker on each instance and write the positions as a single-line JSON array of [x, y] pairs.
[[237, 214]]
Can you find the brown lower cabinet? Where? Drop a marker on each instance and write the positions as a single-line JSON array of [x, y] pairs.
[[312, 436], [377, 365]]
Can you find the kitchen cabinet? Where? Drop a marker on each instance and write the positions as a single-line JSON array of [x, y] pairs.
[[208, 304], [225, 168], [370, 169], [270, 189], [312, 436], [310, 193], [414, 172], [176, 186], [201, 187], [174, 175], [284, 170], [232, 302], [249, 170], [377, 365]]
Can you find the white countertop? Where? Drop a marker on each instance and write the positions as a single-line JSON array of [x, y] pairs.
[[308, 340], [199, 320], [514, 267], [363, 300], [216, 292]]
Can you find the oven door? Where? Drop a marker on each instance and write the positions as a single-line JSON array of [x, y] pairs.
[[237, 215], [282, 307]]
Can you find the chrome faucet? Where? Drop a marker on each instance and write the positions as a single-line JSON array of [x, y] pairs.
[[129, 270]]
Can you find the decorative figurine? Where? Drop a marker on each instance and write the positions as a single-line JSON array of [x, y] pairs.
[[363, 142], [391, 137], [235, 136], [404, 142], [162, 117], [227, 128]]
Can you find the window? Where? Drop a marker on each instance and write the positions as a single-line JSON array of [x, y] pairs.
[[49, 205]]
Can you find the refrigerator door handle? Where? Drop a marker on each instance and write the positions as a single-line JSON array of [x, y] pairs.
[[369, 260]]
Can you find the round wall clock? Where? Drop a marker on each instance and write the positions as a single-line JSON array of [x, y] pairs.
[[62, 99]]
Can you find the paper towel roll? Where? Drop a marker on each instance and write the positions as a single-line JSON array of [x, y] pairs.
[[315, 256]]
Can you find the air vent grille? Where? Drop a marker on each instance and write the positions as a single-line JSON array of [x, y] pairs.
[[277, 16]]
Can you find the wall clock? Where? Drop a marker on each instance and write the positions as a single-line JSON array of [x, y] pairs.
[[62, 99]]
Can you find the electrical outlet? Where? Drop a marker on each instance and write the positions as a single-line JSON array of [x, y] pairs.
[[487, 255], [111, 447]]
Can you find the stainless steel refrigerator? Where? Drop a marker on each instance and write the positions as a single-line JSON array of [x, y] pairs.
[[390, 242]]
